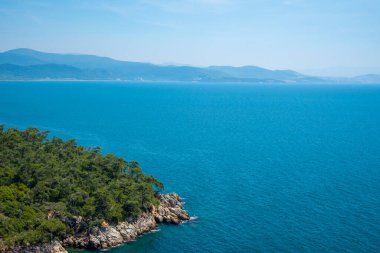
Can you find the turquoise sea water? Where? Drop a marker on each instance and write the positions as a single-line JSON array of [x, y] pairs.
[[266, 168]]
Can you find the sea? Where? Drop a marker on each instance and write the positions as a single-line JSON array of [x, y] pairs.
[[261, 167]]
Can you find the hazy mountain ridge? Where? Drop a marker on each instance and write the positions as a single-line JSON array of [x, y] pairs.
[[27, 64], [254, 72]]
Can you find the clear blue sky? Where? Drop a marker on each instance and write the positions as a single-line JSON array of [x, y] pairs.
[[277, 34]]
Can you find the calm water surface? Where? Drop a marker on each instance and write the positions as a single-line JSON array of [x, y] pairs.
[[266, 168]]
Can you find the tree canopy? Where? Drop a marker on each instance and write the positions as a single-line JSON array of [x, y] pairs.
[[43, 179]]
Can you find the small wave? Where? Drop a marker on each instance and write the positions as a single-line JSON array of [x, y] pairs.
[[191, 220], [154, 230]]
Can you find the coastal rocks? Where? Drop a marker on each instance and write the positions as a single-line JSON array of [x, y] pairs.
[[105, 237], [169, 211], [52, 247], [77, 223]]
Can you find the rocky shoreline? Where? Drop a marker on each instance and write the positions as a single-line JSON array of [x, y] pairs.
[[169, 211], [52, 247]]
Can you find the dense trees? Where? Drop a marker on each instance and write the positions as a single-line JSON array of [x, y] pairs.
[[43, 180]]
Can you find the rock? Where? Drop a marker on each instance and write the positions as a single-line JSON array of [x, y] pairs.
[[56, 247], [169, 211], [158, 218], [77, 223], [104, 224], [183, 216], [53, 214], [172, 202], [175, 220], [52, 247], [93, 242]]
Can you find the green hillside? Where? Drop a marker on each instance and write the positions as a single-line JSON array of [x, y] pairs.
[[44, 179]]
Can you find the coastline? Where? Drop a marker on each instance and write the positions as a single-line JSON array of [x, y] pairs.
[[106, 236], [170, 211]]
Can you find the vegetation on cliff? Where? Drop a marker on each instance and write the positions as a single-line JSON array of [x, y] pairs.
[[44, 178]]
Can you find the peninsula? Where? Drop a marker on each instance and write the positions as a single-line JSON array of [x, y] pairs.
[[56, 194]]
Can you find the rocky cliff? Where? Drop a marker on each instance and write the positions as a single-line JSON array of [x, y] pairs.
[[169, 211], [52, 247]]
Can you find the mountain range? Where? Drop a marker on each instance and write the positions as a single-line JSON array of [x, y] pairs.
[[28, 64]]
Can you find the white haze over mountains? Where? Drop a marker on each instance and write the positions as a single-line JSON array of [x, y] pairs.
[[28, 64], [341, 71]]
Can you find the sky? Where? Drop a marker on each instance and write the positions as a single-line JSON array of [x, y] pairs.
[[327, 37]]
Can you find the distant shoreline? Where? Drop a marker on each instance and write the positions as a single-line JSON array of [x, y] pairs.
[[245, 83], [28, 64]]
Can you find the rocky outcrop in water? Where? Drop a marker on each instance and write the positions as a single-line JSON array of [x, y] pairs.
[[169, 211]]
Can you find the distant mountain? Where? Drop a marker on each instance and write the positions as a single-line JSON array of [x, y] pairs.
[[24, 56], [95, 68], [371, 78], [257, 72], [16, 72], [27, 64]]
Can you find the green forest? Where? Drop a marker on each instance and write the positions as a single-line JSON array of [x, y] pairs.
[[43, 180]]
